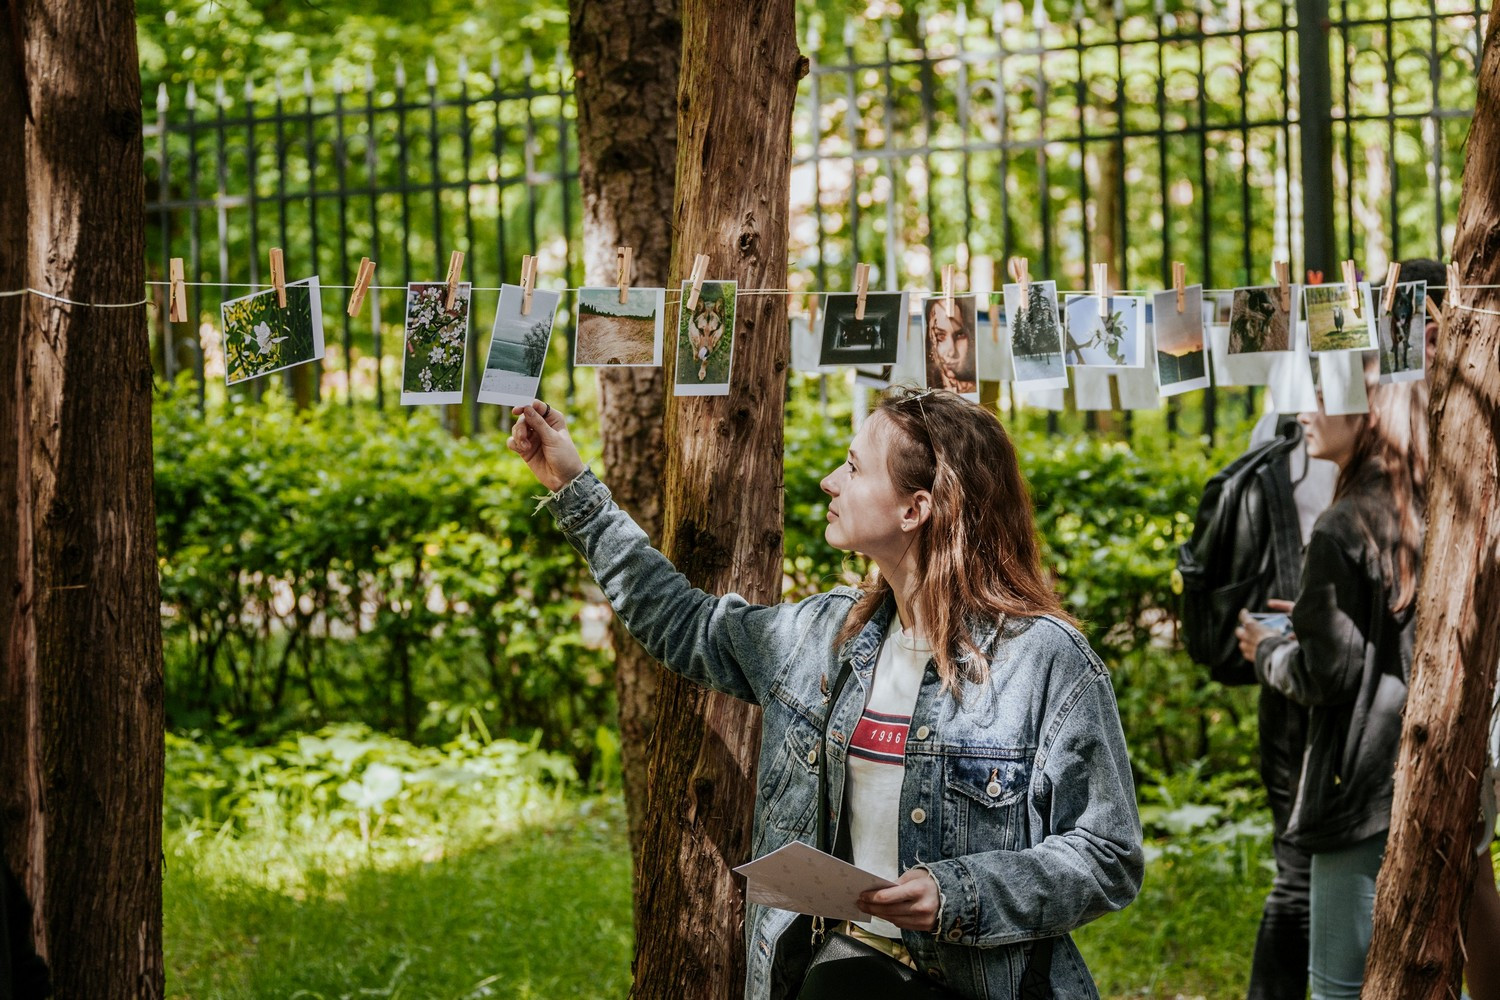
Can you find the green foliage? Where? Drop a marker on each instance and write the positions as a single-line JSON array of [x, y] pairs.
[[351, 564]]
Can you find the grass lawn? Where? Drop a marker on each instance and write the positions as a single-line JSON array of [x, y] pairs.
[[541, 914], [546, 914]]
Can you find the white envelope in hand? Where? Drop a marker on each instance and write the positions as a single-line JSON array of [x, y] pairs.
[[803, 879]]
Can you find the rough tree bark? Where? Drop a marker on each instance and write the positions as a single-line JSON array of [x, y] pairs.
[[80, 651], [625, 56], [723, 508], [1422, 893]]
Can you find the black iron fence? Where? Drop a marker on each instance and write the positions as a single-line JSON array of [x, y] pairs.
[[1222, 135]]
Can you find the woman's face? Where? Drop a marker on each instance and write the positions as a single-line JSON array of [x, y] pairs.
[[865, 512], [1331, 438]]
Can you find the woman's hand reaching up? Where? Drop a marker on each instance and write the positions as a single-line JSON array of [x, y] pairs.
[[540, 437]]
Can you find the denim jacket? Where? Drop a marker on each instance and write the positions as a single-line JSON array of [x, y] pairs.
[[1017, 797]]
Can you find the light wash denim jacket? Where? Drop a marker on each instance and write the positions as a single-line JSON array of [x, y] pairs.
[[1017, 798]]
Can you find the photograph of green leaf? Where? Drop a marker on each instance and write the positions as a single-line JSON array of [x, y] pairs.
[[436, 340], [260, 336]]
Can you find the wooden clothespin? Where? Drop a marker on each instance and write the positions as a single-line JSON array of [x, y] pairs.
[[177, 293], [1282, 272], [1351, 282], [1451, 298], [361, 285], [1101, 288], [625, 258], [1179, 284], [1020, 269], [528, 282], [700, 271], [948, 270], [1392, 275], [455, 271], [278, 275], [1435, 310], [861, 289]]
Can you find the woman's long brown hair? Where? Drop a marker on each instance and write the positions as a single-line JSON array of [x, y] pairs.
[[978, 558], [1390, 453]]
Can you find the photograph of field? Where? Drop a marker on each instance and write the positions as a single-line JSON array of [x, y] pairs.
[[1333, 324], [614, 333]]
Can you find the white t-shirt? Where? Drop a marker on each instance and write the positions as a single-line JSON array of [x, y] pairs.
[[877, 759]]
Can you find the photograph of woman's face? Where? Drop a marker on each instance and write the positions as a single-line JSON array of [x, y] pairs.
[[950, 345]]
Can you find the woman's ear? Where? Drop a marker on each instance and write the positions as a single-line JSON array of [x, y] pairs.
[[918, 512]]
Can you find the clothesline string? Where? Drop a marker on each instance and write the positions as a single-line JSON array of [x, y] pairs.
[[674, 295]]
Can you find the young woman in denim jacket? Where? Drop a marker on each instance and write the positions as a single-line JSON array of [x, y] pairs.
[[982, 766], [1348, 660]]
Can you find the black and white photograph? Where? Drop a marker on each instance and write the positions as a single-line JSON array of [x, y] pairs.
[[1181, 357], [1403, 332], [1105, 338], [518, 347], [951, 340], [1036, 336], [1257, 321], [1336, 324], [869, 343], [614, 333]]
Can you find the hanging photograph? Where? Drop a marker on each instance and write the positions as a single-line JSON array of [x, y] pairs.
[[950, 340], [1334, 323], [1257, 321], [705, 340], [1036, 336], [261, 336], [518, 347], [1110, 340], [437, 340], [611, 332], [1181, 360], [871, 342], [1402, 332]]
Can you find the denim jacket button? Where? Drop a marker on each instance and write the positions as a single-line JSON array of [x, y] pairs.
[[923, 732], [812, 756], [955, 935], [918, 815], [992, 789]]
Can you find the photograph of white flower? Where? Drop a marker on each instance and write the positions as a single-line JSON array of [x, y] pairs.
[[437, 340], [261, 337]]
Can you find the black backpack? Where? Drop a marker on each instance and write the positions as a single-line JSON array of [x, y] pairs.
[[1246, 548]]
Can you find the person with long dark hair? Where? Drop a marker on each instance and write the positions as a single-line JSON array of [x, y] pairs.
[[975, 757], [1348, 659]]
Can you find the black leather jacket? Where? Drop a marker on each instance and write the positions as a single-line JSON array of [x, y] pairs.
[[1348, 662]]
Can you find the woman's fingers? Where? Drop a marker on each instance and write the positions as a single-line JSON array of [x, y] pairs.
[[1279, 605]]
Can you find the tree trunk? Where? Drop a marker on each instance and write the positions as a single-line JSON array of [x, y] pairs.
[[80, 678], [723, 506], [1422, 892], [625, 56]]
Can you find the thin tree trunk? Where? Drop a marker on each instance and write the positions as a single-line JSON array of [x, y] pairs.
[[1422, 893], [625, 56], [723, 510], [80, 703]]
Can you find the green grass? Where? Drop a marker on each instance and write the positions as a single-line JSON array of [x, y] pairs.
[[542, 913], [546, 913]]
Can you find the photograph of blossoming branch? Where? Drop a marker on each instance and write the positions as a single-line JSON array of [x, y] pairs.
[[261, 336], [436, 339]]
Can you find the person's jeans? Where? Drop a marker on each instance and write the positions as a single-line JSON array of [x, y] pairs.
[[1343, 902]]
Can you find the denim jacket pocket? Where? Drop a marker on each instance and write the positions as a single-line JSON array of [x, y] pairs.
[[791, 795], [984, 799]]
